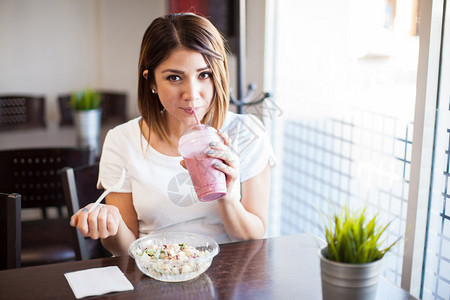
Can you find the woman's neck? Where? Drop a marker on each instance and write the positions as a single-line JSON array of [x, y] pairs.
[[175, 129], [167, 147]]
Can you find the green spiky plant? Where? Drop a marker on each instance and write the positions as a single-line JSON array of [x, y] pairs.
[[353, 239], [85, 100]]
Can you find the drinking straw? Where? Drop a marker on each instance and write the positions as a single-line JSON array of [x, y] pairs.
[[196, 117]]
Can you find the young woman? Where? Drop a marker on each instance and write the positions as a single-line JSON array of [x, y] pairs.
[[182, 67]]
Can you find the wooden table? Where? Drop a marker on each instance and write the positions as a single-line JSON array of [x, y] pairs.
[[276, 268]]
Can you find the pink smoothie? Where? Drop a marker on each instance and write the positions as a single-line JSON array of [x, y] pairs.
[[209, 183]]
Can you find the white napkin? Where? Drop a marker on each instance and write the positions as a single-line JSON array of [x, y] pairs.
[[98, 281]]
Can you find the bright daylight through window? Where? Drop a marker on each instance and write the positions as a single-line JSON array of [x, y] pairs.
[[344, 77]]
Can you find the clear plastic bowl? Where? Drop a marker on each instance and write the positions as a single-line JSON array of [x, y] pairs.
[[173, 270]]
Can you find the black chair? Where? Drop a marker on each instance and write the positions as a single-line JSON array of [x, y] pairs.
[[80, 189], [34, 174], [10, 230], [21, 112], [113, 106]]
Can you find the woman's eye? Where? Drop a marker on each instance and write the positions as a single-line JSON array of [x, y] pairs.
[[205, 75], [173, 77]]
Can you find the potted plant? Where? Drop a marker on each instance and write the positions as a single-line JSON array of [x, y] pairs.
[[85, 100], [87, 117], [350, 264]]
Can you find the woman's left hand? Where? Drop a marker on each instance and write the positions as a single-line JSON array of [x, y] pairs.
[[228, 162]]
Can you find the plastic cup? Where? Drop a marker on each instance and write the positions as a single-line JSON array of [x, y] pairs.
[[209, 183]]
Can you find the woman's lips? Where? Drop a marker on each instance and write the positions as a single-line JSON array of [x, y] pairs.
[[189, 110]]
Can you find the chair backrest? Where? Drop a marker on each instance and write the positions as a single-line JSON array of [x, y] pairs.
[[20, 112], [113, 105], [80, 189], [10, 230], [34, 173]]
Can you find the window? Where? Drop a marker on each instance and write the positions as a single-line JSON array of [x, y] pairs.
[[436, 283], [344, 77]]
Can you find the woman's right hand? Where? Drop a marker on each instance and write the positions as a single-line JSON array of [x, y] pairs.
[[102, 222]]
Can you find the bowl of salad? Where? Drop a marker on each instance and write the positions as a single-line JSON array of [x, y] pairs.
[[173, 256]]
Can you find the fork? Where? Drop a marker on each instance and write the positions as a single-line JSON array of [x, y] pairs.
[[115, 187]]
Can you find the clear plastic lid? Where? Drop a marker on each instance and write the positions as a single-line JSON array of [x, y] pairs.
[[197, 138]]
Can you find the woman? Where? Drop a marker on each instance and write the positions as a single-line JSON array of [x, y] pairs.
[[182, 67]]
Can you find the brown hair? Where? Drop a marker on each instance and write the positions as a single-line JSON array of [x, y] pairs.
[[166, 34]]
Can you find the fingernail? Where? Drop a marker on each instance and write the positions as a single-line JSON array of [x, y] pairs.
[[85, 209], [216, 164], [210, 151], [212, 143]]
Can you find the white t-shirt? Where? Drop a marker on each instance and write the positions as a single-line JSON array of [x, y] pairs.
[[163, 195]]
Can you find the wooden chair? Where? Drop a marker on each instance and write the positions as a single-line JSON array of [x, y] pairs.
[[34, 174], [80, 189], [21, 112], [113, 105], [10, 230]]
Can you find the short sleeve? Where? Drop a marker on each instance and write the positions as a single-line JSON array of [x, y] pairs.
[[251, 141], [113, 159]]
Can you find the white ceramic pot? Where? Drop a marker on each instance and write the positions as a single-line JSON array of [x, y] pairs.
[[87, 124], [348, 281]]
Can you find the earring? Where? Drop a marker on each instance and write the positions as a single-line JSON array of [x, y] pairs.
[[153, 91]]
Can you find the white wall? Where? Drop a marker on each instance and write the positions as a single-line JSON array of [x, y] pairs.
[[122, 25], [51, 47], [47, 47]]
